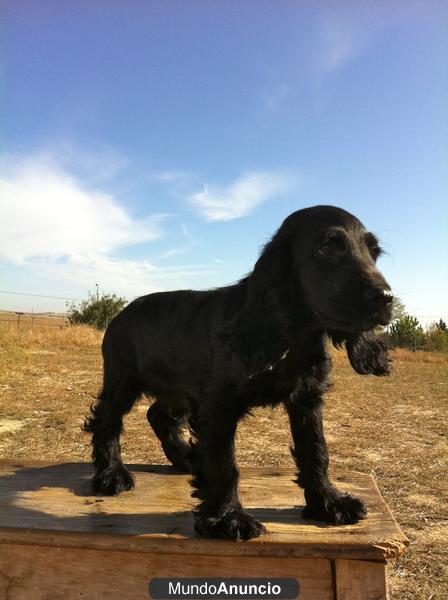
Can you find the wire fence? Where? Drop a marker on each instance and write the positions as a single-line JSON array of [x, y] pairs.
[[26, 321]]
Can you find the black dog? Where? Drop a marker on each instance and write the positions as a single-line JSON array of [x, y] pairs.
[[208, 357]]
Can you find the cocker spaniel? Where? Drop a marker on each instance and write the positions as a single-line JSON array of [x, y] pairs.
[[207, 358]]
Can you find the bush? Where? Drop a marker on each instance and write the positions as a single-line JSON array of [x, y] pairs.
[[96, 312], [436, 338], [398, 309], [406, 332], [441, 326]]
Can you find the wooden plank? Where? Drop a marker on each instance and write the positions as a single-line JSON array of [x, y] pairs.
[[51, 504], [360, 580], [41, 573]]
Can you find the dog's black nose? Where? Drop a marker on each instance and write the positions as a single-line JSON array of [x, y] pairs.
[[379, 296]]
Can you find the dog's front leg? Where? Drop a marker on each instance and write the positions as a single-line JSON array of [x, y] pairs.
[[219, 514], [323, 501]]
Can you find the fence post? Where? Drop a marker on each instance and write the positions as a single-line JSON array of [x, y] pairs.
[[18, 319]]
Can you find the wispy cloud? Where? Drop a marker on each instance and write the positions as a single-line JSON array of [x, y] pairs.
[[346, 31], [129, 278], [336, 37], [97, 163], [338, 34], [338, 43], [189, 243], [275, 97], [172, 176], [339, 46], [242, 197]]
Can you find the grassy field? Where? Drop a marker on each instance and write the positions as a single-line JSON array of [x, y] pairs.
[[395, 428]]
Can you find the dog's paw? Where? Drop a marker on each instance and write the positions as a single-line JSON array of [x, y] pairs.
[[112, 481], [235, 525], [337, 508]]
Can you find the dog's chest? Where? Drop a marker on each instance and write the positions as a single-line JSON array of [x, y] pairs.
[[290, 375]]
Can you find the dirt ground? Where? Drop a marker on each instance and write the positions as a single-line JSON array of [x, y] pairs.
[[395, 428]]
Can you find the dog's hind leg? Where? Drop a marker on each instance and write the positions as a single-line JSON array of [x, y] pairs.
[[169, 431], [106, 424]]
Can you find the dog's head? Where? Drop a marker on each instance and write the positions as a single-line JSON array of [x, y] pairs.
[[319, 269], [334, 258]]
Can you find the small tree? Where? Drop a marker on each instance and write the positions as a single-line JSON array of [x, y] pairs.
[[436, 338], [407, 332], [441, 325], [398, 309], [96, 312]]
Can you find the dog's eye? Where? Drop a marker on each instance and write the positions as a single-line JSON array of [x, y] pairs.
[[326, 248], [375, 251], [331, 244], [373, 245]]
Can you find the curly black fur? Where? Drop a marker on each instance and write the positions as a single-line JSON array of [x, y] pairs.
[[208, 357]]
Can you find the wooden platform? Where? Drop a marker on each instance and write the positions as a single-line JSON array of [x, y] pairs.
[[59, 541]]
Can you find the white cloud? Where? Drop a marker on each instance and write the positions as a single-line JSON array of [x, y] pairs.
[[240, 198], [45, 212], [69, 236]]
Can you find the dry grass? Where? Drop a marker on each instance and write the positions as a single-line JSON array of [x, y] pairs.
[[78, 336], [395, 428], [419, 356], [401, 355]]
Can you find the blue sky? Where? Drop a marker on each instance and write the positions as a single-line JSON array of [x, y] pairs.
[[154, 145]]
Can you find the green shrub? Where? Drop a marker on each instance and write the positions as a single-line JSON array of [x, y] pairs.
[[441, 325], [406, 332], [96, 312], [436, 338], [398, 309]]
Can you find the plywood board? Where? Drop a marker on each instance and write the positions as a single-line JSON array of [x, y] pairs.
[[360, 580], [52, 505], [43, 573]]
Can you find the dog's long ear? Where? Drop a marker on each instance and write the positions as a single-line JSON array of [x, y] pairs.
[[367, 352], [258, 333]]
